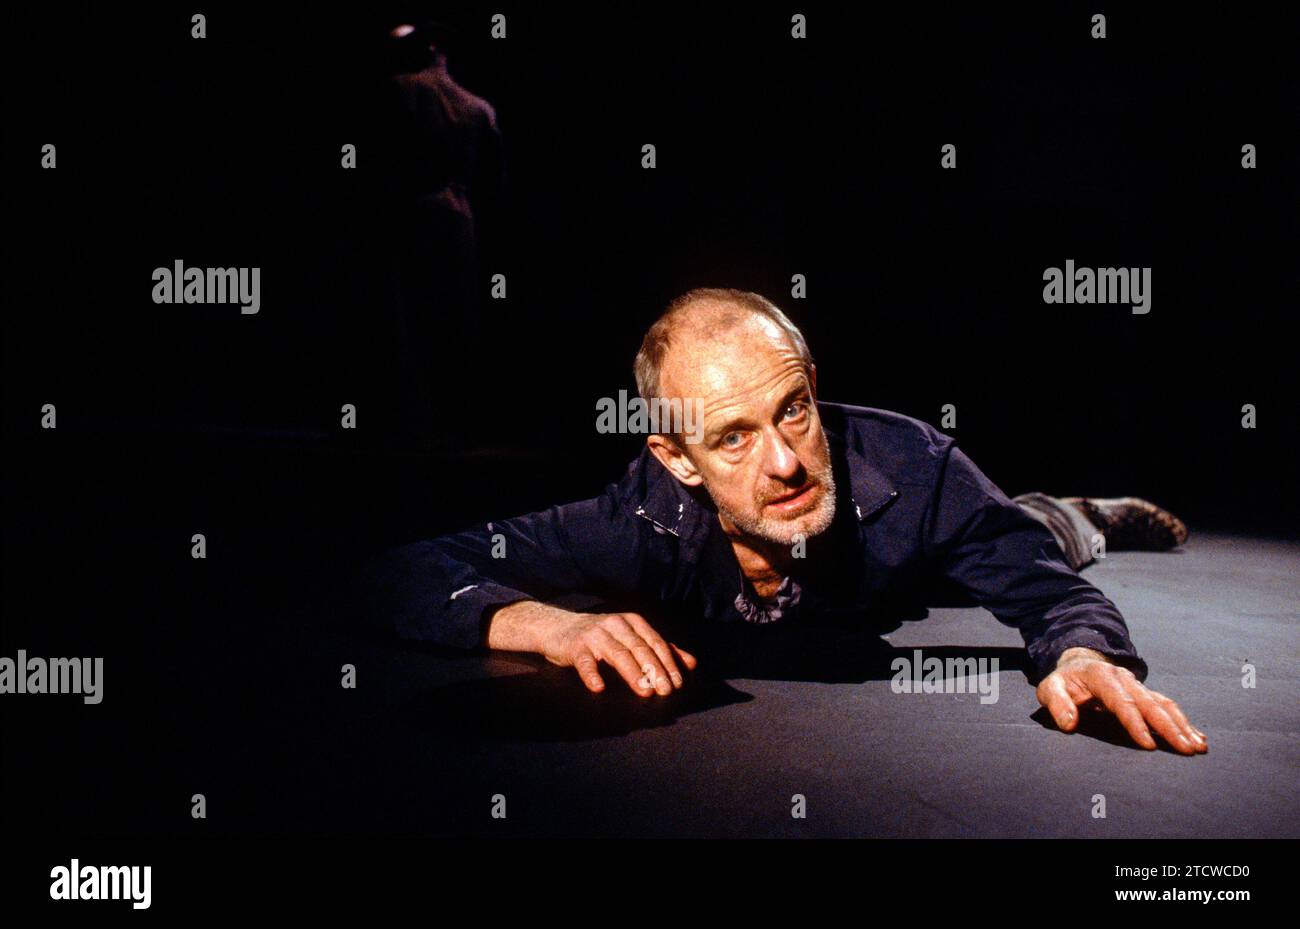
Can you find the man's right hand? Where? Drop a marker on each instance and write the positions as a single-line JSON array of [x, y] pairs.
[[624, 641]]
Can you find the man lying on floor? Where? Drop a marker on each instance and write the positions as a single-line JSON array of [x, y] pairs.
[[785, 509]]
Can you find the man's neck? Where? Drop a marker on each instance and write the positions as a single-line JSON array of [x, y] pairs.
[[764, 565]]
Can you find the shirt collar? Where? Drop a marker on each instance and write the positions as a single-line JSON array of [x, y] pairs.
[[870, 490]]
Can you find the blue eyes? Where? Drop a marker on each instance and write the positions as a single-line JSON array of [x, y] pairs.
[[792, 412]]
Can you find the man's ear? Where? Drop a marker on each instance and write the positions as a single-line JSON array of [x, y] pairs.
[[673, 457], [812, 379]]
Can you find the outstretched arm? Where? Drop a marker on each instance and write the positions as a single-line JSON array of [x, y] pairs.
[[1011, 564], [481, 587]]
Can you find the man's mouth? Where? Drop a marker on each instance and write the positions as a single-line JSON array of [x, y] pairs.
[[794, 500]]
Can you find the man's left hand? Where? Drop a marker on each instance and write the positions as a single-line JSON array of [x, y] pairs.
[[1085, 677]]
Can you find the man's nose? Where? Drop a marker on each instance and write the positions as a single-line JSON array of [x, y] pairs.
[[782, 463]]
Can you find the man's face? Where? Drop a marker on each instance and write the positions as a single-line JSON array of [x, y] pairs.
[[764, 458]]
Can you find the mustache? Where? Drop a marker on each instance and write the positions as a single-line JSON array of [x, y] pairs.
[[821, 475], [788, 490]]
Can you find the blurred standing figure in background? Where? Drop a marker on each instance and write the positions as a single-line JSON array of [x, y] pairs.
[[441, 180]]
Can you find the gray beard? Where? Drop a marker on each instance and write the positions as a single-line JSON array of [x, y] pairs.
[[779, 532]]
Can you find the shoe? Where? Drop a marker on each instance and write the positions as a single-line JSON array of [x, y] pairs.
[[1131, 523]]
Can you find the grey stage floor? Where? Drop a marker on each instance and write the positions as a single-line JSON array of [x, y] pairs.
[[428, 739]]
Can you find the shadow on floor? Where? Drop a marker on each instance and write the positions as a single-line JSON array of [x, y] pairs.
[[551, 704]]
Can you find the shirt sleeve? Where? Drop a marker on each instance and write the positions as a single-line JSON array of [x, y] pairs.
[[1011, 564], [444, 590]]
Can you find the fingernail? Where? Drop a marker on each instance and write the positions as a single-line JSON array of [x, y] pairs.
[[677, 679]]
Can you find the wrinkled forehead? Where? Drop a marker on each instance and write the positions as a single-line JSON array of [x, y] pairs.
[[714, 357]]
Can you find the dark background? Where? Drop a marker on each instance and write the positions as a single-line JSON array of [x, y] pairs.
[[775, 157]]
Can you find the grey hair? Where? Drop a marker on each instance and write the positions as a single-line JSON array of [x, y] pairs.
[[658, 338]]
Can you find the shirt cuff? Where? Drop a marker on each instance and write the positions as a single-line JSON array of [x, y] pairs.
[[467, 613]]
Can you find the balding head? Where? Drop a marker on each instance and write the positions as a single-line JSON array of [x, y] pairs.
[[761, 453], [709, 315]]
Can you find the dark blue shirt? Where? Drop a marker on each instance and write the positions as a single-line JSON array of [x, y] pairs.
[[916, 523]]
